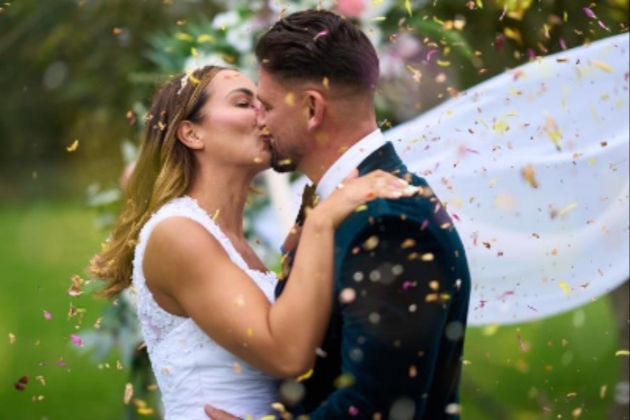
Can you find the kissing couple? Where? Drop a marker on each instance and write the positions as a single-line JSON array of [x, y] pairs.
[[368, 317]]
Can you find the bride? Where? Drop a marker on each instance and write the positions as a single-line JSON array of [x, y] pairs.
[[205, 299]]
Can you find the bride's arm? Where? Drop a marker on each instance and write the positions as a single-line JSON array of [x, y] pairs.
[[187, 265]]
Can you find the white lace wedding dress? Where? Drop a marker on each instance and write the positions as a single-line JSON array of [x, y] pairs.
[[191, 369]]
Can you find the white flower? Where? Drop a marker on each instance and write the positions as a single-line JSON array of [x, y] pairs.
[[240, 37], [226, 20], [205, 60]]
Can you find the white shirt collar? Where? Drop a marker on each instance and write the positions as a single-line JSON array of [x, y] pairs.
[[348, 161]]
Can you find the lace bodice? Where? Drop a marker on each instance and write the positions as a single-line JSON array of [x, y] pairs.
[[190, 368]]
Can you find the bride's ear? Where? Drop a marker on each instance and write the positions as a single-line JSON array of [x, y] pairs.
[[187, 134], [315, 104]]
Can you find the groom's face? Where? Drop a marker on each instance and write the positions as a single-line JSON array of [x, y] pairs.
[[282, 114]]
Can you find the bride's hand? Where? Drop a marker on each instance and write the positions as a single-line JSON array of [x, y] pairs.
[[356, 191]]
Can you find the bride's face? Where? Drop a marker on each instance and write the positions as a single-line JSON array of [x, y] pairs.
[[229, 132]]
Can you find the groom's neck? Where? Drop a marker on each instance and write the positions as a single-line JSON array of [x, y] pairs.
[[330, 144]]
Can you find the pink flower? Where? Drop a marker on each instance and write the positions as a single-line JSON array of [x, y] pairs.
[[352, 9]]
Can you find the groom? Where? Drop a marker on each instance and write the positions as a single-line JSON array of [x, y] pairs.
[[394, 345]]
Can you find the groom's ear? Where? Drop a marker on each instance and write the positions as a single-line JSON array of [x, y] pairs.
[[315, 104], [187, 134]]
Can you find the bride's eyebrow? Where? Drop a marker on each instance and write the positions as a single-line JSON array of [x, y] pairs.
[[241, 90]]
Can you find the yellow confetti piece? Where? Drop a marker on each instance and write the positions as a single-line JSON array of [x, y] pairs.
[[11, 338], [566, 17], [326, 83], [490, 330], [565, 287], [513, 34], [237, 368], [305, 376], [194, 52], [592, 161], [216, 214], [622, 353], [554, 133], [204, 38], [408, 6], [361, 208], [479, 4], [443, 63], [290, 99], [529, 174], [602, 391], [567, 209], [73, 147], [501, 126], [378, 19], [250, 332], [192, 78], [182, 36], [602, 66], [145, 411]]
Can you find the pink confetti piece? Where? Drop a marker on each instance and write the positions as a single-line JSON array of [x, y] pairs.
[[73, 292], [47, 315], [563, 44], [589, 13], [430, 54], [320, 34], [61, 363], [601, 24], [456, 217], [531, 54], [353, 411], [506, 294], [76, 340], [482, 303], [424, 224], [407, 285]]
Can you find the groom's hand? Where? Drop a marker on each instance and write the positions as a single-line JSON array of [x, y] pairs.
[[217, 414]]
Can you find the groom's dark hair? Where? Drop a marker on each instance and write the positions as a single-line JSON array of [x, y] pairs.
[[314, 45]]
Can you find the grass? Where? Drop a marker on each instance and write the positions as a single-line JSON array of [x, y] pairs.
[[42, 245]]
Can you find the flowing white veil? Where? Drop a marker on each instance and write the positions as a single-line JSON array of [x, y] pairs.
[[533, 166]]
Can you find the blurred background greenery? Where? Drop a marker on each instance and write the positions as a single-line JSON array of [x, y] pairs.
[[72, 69]]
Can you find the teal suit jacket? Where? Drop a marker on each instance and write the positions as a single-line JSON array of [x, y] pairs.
[[398, 344]]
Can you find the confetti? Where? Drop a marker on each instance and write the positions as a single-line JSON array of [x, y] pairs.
[[529, 174], [128, 393], [622, 353], [47, 315], [589, 13], [567, 209], [602, 66], [408, 7], [306, 376], [73, 147], [320, 34], [76, 340], [11, 338], [565, 287]]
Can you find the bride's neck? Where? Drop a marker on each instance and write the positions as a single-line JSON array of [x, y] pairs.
[[222, 194]]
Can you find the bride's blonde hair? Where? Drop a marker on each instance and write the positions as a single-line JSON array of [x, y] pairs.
[[164, 170]]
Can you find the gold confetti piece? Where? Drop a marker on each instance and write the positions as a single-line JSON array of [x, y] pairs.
[[237, 368], [182, 36], [119, 365], [194, 52], [427, 257], [378, 19], [554, 133], [408, 6], [565, 287], [361, 208], [250, 332], [116, 31], [73, 147], [513, 34], [344, 380], [258, 160], [284, 162], [417, 75], [479, 4], [41, 380], [490, 330], [239, 300], [567, 209], [443, 63], [466, 362], [290, 99], [408, 243], [529, 174], [305, 376], [128, 393], [192, 78], [602, 66], [326, 83], [371, 243], [622, 353], [413, 371], [204, 38], [145, 411], [216, 214], [11, 338], [592, 161], [602, 391]]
